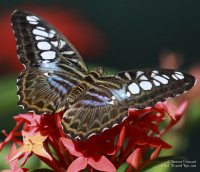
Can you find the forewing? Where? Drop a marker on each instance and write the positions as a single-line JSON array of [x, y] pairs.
[[39, 42], [145, 88], [92, 114], [52, 64]]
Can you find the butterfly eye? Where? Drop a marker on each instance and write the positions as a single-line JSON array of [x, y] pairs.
[[100, 70]]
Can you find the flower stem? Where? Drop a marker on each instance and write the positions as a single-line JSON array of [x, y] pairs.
[[51, 164], [53, 143], [125, 154]]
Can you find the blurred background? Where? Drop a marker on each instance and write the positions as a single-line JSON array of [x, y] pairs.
[[117, 35]]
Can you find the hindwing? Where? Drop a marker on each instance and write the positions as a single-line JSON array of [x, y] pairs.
[[92, 114]]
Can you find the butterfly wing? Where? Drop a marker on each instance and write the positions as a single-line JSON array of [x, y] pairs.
[[92, 114], [145, 88], [51, 62], [106, 104]]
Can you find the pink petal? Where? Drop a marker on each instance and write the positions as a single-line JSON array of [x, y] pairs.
[[11, 135], [27, 154], [70, 145], [168, 111], [154, 155], [156, 141], [101, 163], [38, 149], [42, 135], [78, 164], [122, 137], [27, 136], [181, 110], [27, 116], [13, 164], [135, 158], [18, 153]]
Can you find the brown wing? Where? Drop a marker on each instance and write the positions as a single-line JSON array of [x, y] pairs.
[[140, 89], [92, 114]]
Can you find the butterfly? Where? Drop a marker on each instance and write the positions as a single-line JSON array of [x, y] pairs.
[[56, 79]]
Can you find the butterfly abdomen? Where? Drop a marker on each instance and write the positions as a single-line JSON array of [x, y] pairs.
[[76, 92]]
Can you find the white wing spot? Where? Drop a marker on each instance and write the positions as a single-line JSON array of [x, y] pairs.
[[179, 76], [139, 73], [146, 85], [105, 129], [51, 35], [117, 76], [31, 18], [114, 125], [48, 55], [134, 88], [77, 137], [161, 79], [43, 45], [41, 28], [128, 94], [39, 32], [155, 71], [111, 102], [35, 17], [62, 43], [68, 52], [39, 38], [153, 74], [45, 61], [127, 75], [166, 76], [113, 97], [55, 43], [52, 31], [124, 118], [91, 135], [173, 76], [178, 73], [46, 74], [156, 83], [143, 77], [35, 22]]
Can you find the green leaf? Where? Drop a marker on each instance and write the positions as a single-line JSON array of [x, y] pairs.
[[123, 167]]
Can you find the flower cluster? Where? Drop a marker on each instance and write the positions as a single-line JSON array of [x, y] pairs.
[[127, 142]]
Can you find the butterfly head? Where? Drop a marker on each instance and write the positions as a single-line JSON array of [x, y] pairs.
[[100, 70]]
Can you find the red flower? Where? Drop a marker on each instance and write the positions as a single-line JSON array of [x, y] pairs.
[[86, 153], [135, 159], [14, 164], [127, 142], [32, 144]]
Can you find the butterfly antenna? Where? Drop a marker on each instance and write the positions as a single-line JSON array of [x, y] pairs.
[[106, 72]]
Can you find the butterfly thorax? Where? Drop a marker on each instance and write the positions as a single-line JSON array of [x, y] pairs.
[[83, 86]]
